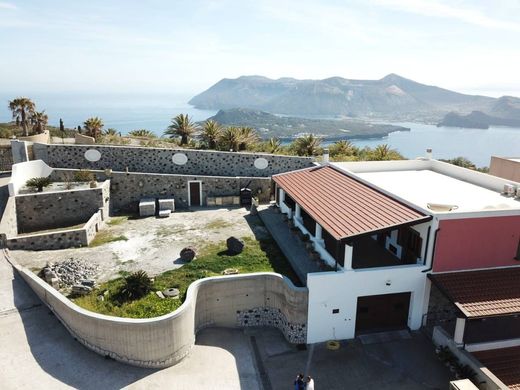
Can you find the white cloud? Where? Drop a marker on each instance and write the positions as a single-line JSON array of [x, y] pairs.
[[443, 10], [5, 5]]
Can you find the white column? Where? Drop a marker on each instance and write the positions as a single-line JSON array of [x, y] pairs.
[[281, 196], [318, 231], [298, 212], [459, 331], [348, 256]]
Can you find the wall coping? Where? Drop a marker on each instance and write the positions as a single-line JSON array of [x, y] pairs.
[[103, 184], [180, 150]]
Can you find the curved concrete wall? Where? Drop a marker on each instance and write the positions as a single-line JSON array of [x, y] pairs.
[[166, 340]]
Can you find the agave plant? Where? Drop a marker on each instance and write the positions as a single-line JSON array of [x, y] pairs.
[[142, 133], [136, 285], [183, 127]]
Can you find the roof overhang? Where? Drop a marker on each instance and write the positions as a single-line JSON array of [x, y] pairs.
[[483, 293]]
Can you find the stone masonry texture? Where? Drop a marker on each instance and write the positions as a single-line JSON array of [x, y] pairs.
[[155, 160], [6, 158]]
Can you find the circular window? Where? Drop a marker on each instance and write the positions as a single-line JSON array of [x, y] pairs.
[[92, 155], [179, 159], [261, 163]]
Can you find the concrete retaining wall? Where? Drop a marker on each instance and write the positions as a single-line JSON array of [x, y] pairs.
[[156, 160], [166, 340], [50, 210], [8, 224], [128, 188]]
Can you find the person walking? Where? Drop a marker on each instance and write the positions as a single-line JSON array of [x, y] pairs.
[[299, 383], [309, 385]]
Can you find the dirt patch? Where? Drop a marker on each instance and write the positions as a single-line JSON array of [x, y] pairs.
[[153, 244]]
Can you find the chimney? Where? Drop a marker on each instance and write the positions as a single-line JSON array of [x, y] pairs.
[[325, 156], [429, 154]]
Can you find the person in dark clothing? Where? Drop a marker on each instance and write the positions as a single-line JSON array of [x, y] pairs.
[[299, 383]]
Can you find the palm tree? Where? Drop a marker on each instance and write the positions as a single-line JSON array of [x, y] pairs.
[[39, 120], [22, 109], [142, 133], [211, 133], [231, 138], [93, 127], [181, 126], [248, 136], [307, 145], [343, 148], [273, 145]]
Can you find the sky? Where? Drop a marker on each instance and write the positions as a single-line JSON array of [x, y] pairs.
[[184, 47]]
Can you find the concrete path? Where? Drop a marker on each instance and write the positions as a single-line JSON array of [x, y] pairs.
[[38, 353], [292, 247]]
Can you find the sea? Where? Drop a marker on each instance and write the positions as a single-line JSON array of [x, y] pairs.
[[154, 112]]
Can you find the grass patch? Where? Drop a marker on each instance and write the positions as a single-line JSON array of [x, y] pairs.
[[218, 224], [105, 236], [114, 221], [258, 256]]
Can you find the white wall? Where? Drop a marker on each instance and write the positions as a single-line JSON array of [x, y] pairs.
[[24, 171], [340, 290]]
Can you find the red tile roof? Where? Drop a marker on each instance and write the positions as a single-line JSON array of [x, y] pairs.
[[342, 205], [504, 363], [484, 293]]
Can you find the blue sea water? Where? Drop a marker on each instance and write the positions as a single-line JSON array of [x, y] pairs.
[[154, 112]]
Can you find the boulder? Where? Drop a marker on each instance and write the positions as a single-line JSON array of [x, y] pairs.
[[235, 245], [188, 254]]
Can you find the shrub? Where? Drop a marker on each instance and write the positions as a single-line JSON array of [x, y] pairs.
[[83, 176], [39, 183], [136, 286]]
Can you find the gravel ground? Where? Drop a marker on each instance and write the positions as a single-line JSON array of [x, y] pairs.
[[153, 244]]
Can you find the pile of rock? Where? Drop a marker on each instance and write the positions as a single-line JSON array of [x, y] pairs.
[[71, 273]]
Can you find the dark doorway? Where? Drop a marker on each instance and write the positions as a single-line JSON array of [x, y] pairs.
[[378, 313], [195, 193]]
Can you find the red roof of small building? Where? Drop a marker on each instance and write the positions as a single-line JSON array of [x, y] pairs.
[[343, 205], [484, 293], [504, 363]]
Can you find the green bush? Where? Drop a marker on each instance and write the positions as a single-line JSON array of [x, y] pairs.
[[136, 286], [39, 183], [83, 176]]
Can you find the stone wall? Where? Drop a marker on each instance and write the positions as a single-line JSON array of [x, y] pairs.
[[50, 210], [166, 340], [441, 312], [6, 158], [71, 238], [8, 225], [128, 188], [155, 160]]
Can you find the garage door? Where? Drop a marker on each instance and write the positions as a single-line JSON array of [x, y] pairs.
[[377, 313]]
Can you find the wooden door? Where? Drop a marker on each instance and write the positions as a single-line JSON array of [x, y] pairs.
[[194, 193]]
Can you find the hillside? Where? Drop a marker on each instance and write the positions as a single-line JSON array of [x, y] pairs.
[[392, 98], [476, 120], [269, 125]]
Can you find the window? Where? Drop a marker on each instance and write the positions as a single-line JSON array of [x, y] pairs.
[[335, 311]]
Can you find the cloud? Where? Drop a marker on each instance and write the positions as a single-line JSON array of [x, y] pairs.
[[5, 5], [443, 10]]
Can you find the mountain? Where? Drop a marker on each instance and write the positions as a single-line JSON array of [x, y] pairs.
[[269, 125], [476, 120], [392, 98]]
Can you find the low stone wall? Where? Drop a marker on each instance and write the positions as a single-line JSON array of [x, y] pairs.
[[8, 224], [50, 210], [486, 379], [72, 238], [166, 340], [128, 188], [156, 160], [6, 158]]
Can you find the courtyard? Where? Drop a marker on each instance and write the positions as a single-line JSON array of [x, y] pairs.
[[39, 352]]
